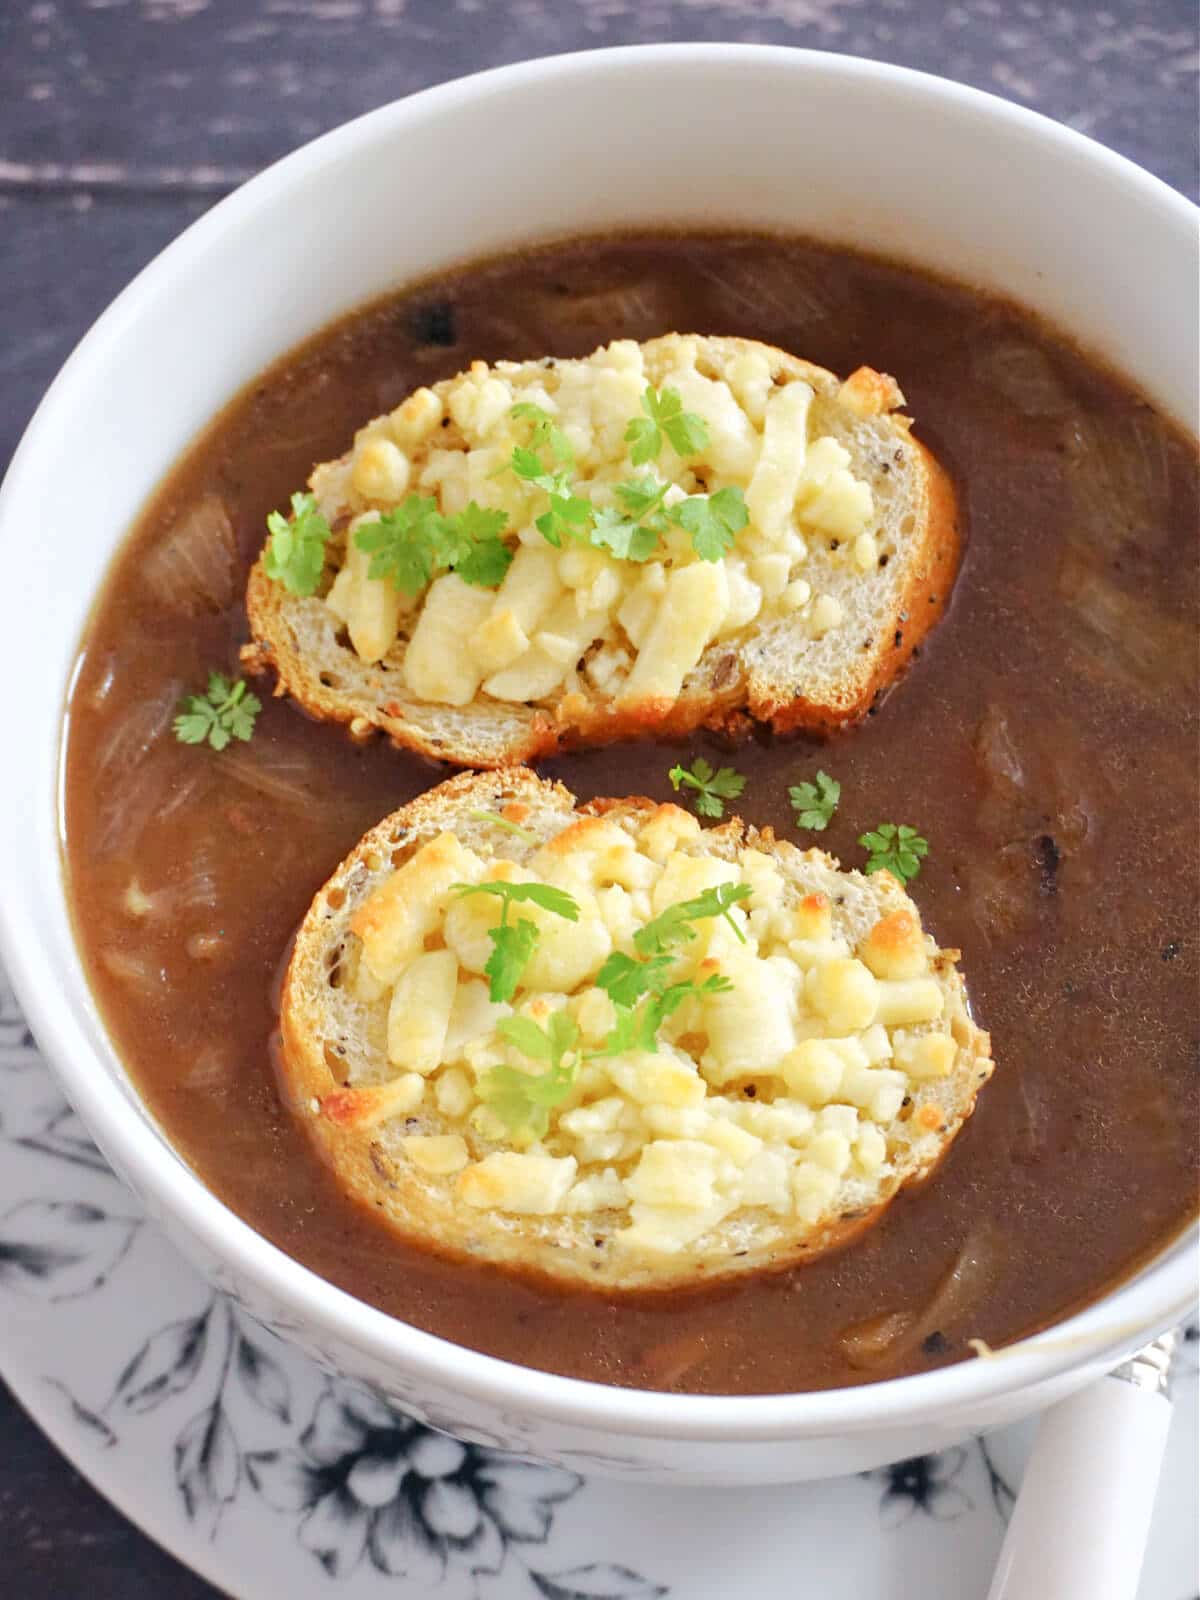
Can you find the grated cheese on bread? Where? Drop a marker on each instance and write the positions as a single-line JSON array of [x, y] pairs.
[[846, 561], [775, 1120]]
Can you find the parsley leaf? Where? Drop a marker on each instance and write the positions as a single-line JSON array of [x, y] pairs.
[[475, 525], [545, 430], [642, 496], [627, 1033], [712, 788], [636, 1027], [567, 518], [526, 460], [512, 945], [498, 821], [713, 521], [528, 1038], [539, 894], [226, 711], [295, 554], [412, 542], [628, 541], [626, 980], [530, 468], [815, 803], [485, 564], [632, 535], [406, 544], [899, 849], [523, 1100], [664, 414], [470, 543], [646, 438], [570, 515], [639, 986], [671, 998], [514, 942], [674, 925]]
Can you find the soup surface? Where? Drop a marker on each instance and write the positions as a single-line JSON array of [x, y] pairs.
[[1044, 744]]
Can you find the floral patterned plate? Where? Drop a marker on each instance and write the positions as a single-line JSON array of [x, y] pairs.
[[248, 1463]]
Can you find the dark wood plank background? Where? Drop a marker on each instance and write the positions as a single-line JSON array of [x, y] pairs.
[[122, 120]]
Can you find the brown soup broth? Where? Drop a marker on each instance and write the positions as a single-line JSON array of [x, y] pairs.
[[1045, 744]]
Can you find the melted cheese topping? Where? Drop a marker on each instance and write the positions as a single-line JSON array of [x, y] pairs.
[[771, 1094], [637, 629]]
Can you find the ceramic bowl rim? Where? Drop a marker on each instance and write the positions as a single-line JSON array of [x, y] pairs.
[[1125, 1317]]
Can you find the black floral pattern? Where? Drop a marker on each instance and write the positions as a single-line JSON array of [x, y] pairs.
[[365, 1480], [18, 1052], [57, 1249], [1004, 1496], [219, 1356], [1187, 1355], [925, 1484], [368, 1481], [600, 1581], [58, 1132]]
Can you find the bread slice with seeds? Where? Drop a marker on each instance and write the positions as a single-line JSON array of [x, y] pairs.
[[845, 562], [822, 1057]]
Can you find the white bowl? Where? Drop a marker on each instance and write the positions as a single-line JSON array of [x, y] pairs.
[[844, 149]]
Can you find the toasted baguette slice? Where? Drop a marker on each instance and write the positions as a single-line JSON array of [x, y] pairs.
[[806, 640], [746, 1142]]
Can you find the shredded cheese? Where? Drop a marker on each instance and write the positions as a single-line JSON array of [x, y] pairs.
[[633, 630], [768, 1093]]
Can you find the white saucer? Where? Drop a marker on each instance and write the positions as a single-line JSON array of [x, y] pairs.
[[235, 1453]]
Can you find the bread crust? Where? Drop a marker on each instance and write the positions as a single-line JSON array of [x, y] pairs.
[[733, 685], [925, 600], [567, 1249]]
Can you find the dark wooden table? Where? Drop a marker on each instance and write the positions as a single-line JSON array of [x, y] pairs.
[[122, 120]]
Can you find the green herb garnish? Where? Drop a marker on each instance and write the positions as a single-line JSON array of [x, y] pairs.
[[227, 711], [642, 498], [498, 821], [569, 517], [625, 979], [530, 468], [712, 788], [526, 460], [628, 541], [404, 544], [632, 530], [664, 414], [896, 847], [413, 542], [473, 548], [639, 986], [714, 521], [523, 1100], [295, 555], [674, 925], [539, 894], [632, 533], [514, 942], [545, 431], [814, 803], [644, 1000], [711, 521]]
